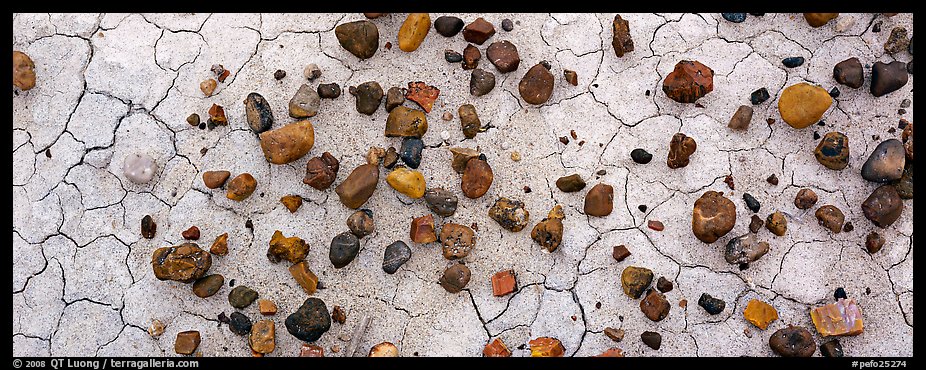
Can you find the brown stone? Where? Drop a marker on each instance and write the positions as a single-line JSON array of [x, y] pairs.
[[358, 186], [220, 245], [805, 199], [616, 335], [148, 227], [422, 94], [546, 347], [777, 223], [304, 276], [680, 149], [655, 225], [469, 120], [816, 20], [184, 263], [461, 157], [874, 242], [384, 349], [455, 278], [655, 306], [321, 171], [215, 179], [793, 341], [664, 285], [292, 249], [311, 350], [413, 31], [831, 218], [510, 214], [741, 119], [688, 82], [713, 216], [263, 337], [635, 280], [549, 232], [207, 286], [477, 178], [191, 234], [241, 187], [422, 230], [187, 342], [571, 183], [266, 307], [841, 318], [291, 202], [504, 55], [217, 115], [883, 206], [536, 86], [503, 283], [23, 71], [457, 240], [907, 137], [755, 224], [803, 104], [620, 252], [599, 201], [471, 56], [496, 348], [479, 31], [406, 122], [288, 143], [361, 223], [360, 38], [571, 77], [833, 151], [208, 86], [620, 39], [338, 315], [760, 314]]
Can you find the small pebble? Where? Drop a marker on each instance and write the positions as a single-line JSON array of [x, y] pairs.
[[641, 156], [156, 328], [571, 77], [751, 202], [616, 335], [312, 72], [140, 168], [874, 242], [452, 56], [339, 316], [455, 278], [620, 252], [834, 92], [759, 96], [507, 25], [279, 74], [710, 304], [655, 225], [734, 17], [642, 208], [772, 179], [328, 91], [664, 285], [148, 227], [193, 119], [191, 234], [793, 62], [241, 297], [755, 224], [832, 349], [651, 339], [840, 293]]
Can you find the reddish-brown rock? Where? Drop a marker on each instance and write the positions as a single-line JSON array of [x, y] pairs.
[[680, 150], [504, 282], [620, 39], [358, 186], [496, 348], [457, 240], [241, 187], [536, 86], [688, 82], [713, 216], [215, 179], [321, 171], [599, 201], [479, 31], [191, 234], [504, 55], [422, 230], [422, 94], [477, 178]]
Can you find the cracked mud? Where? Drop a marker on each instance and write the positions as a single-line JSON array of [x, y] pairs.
[[111, 85]]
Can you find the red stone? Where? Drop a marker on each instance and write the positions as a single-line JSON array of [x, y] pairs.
[[496, 348], [504, 282], [655, 225], [688, 82], [422, 94]]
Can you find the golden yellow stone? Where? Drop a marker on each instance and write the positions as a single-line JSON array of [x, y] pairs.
[[840, 318], [413, 31], [760, 314], [803, 104], [407, 181]]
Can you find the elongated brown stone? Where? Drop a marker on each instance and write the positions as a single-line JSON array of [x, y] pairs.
[[358, 186], [599, 201]]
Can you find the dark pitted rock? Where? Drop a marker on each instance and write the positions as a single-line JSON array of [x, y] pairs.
[[344, 248], [620, 36], [651, 339], [688, 82], [887, 78], [734, 17], [886, 162], [833, 151], [710, 304], [469, 120], [422, 94], [452, 56], [755, 223], [549, 232], [406, 122], [477, 178], [713, 216], [874, 242], [361, 223], [207, 286], [510, 214], [640, 156], [369, 95], [904, 186], [655, 306], [360, 38], [148, 227], [504, 55], [394, 98], [777, 223], [358, 186], [744, 249], [479, 31], [849, 72], [832, 349], [259, 115], [328, 91], [793, 62], [831, 218], [508, 25], [239, 323], [321, 171], [751, 202], [803, 104], [184, 263], [410, 152], [391, 158], [241, 187], [457, 240], [292, 249], [413, 31], [461, 156], [883, 206], [741, 119], [635, 280], [481, 82], [816, 20], [395, 256], [571, 183], [448, 26], [441, 202], [664, 285], [471, 56], [310, 321], [793, 341], [215, 179], [897, 42], [536, 86], [759, 96], [304, 103], [680, 150], [241, 296], [599, 201], [805, 199], [455, 278]]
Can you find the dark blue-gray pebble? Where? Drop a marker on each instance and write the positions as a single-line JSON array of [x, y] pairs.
[[411, 151], [734, 17], [793, 62], [759, 96]]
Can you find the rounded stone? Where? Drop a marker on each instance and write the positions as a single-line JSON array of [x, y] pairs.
[[263, 337], [477, 178], [395, 256], [888, 77], [571, 183], [802, 104], [207, 286], [328, 91], [448, 26], [883, 206], [360, 38], [384, 349], [406, 122], [805, 199], [849, 72], [831, 218], [599, 201], [455, 278], [777, 223], [833, 151], [413, 31], [406, 181], [358, 186], [184, 263], [259, 115], [734, 17], [139, 168], [148, 227], [288, 143], [241, 187], [886, 162], [816, 20], [344, 248], [536, 86], [510, 214], [242, 296], [681, 147], [310, 321], [481, 82], [508, 25], [874, 242], [504, 55], [793, 62], [651, 339], [713, 216], [635, 280], [215, 179], [321, 171], [361, 223], [239, 323], [471, 56], [441, 202], [741, 118], [793, 341], [394, 98], [744, 249], [23, 71], [655, 306], [469, 120], [479, 31], [457, 240], [751, 202], [640, 156], [304, 103], [208, 86], [369, 96]]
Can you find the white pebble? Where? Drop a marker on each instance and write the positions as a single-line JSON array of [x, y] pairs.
[[844, 23], [444, 135], [139, 168], [312, 71], [506, 145]]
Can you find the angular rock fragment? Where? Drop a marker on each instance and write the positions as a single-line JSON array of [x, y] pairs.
[[841, 318], [303, 104], [242, 296], [760, 314], [620, 36], [369, 96], [710, 304], [422, 94], [292, 249], [304, 276], [395, 256], [291, 202], [655, 306], [220, 245], [184, 263], [361, 223], [394, 98], [546, 347], [479, 31], [461, 157], [744, 249], [549, 232], [635, 280], [471, 56], [874, 242], [688, 82], [496, 348], [358, 186], [441, 202], [422, 229], [410, 152], [503, 283], [510, 214], [457, 240], [777, 223], [620, 252], [741, 118], [187, 342]]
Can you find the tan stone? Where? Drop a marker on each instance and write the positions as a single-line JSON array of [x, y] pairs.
[[304, 276], [407, 181]]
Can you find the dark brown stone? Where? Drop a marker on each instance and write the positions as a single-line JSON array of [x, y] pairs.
[[360, 38], [361, 223], [664, 285], [358, 186], [620, 252], [680, 149], [713, 216], [455, 278], [191, 234], [874, 242], [457, 240], [688, 82], [536, 86], [207, 286], [883, 206], [655, 306], [549, 232], [215, 179], [241, 187], [831, 218], [504, 55], [620, 39], [571, 183], [471, 56], [481, 82], [477, 178], [469, 120], [793, 341], [148, 227], [321, 171], [849, 72], [479, 31], [599, 201], [805, 199]]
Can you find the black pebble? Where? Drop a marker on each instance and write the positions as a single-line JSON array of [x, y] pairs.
[[751, 202], [840, 293], [344, 248], [508, 25], [452, 56], [642, 208], [793, 62], [734, 17], [816, 136], [328, 91], [410, 152], [448, 26], [876, 28], [279, 74], [832, 349], [759, 96], [848, 227], [231, 283], [647, 92], [239, 323], [641, 156], [202, 126], [821, 123], [651, 339], [834, 92], [710, 304]]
